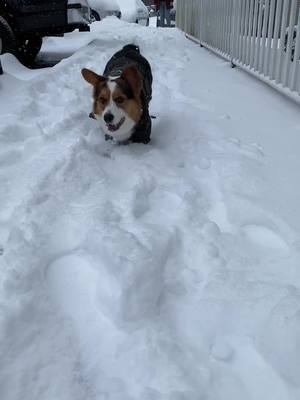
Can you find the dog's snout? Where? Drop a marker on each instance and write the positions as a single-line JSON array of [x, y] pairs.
[[108, 117]]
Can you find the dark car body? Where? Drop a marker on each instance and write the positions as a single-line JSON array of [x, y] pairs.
[[43, 16], [24, 23]]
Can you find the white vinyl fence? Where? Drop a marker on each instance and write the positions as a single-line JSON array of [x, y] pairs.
[[261, 36]]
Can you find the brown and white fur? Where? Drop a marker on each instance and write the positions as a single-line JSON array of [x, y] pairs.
[[117, 111], [121, 96]]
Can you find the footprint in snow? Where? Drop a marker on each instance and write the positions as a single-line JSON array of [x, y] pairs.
[[252, 374], [204, 163], [266, 240], [141, 201], [253, 150], [13, 133], [222, 351]]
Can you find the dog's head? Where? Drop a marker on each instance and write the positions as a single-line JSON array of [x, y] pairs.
[[117, 101]]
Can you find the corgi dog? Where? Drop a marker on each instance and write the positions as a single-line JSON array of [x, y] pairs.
[[121, 96]]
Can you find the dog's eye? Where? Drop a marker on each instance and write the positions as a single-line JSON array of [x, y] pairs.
[[119, 100], [102, 100]]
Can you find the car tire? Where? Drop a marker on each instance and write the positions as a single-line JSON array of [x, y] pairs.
[[147, 22], [29, 48], [95, 16], [8, 37]]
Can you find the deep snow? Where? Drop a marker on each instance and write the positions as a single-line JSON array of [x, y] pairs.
[[160, 272]]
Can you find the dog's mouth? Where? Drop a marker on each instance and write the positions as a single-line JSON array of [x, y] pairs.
[[114, 128]]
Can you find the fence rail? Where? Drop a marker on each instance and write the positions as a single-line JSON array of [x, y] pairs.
[[261, 36]]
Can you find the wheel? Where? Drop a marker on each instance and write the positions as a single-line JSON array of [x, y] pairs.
[[7, 37], [142, 22], [95, 16], [148, 22], [28, 48]]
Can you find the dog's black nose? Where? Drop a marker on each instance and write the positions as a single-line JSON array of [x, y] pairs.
[[108, 117]]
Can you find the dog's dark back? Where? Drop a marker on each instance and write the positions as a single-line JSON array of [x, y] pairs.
[[129, 56]]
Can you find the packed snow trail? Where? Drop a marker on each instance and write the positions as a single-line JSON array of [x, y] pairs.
[[141, 272]]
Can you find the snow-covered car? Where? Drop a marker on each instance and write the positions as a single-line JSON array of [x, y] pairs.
[[134, 11], [104, 8], [24, 24], [78, 15]]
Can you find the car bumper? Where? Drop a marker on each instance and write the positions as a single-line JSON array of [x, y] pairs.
[[143, 21], [79, 13], [104, 14]]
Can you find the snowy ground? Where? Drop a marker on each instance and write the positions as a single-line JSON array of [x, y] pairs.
[[160, 272]]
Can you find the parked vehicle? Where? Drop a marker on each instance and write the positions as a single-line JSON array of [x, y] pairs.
[[104, 8], [134, 11], [23, 24]]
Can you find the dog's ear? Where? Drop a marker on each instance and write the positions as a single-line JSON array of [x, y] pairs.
[[133, 77], [91, 77]]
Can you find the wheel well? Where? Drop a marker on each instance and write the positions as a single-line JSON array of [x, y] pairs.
[[96, 12], [4, 12]]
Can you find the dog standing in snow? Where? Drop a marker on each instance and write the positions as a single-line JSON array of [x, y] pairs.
[[122, 96]]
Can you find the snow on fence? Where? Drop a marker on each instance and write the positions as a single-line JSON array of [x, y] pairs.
[[261, 36]]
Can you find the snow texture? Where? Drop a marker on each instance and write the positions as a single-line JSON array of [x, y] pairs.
[[161, 272]]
